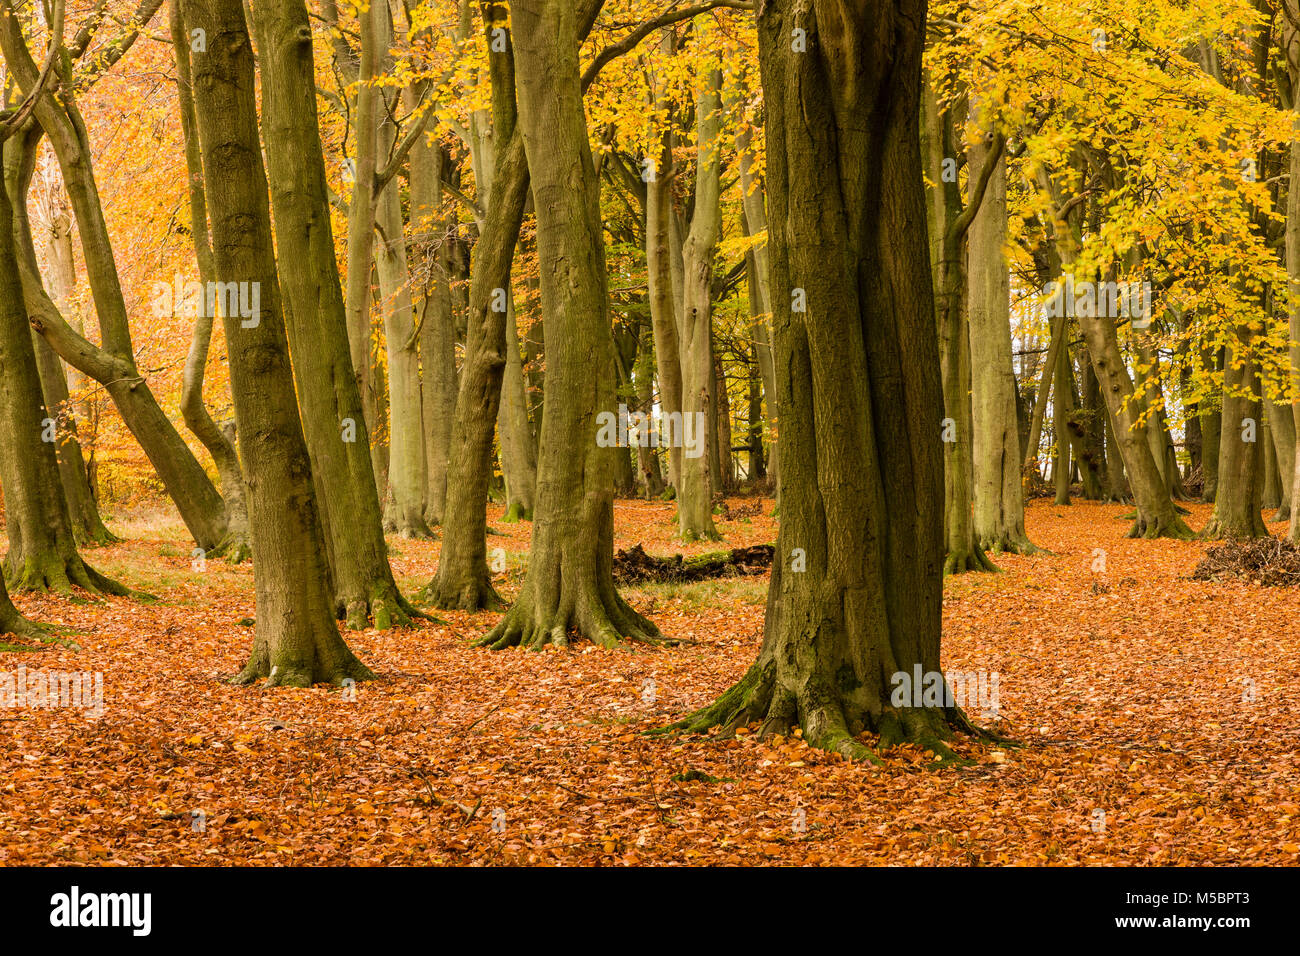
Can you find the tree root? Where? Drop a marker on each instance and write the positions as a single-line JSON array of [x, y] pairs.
[[385, 607], [958, 562], [606, 620], [473, 594], [60, 575], [757, 697], [1010, 544], [343, 666], [516, 513]]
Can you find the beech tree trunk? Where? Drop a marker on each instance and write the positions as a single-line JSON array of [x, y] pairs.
[[333, 420], [999, 496], [437, 321], [42, 548], [518, 451], [949, 225], [1239, 498], [113, 364], [463, 580], [570, 580], [217, 439], [297, 642], [695, 330], [859, 387]]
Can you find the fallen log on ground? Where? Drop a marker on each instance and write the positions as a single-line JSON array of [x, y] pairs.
[[634, 566]]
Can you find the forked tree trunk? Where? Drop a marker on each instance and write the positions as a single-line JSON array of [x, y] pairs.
[[297, 642], [332, 416], [570, 581], [859, 387]]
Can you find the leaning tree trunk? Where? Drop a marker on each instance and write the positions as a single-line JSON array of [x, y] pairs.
[[297, 641], [859, 387], [42, 548], [19, 167], [463, 581], [218, 440], [1239, 498], [113, 364], [1156, 515], [332, 415], [695, 331], [570, 581], [999, 494]]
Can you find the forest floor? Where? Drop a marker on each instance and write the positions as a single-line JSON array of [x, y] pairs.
[[1129, 690]]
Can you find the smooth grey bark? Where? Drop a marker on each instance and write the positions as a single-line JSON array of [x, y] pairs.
[[999, 520], [297, 641]]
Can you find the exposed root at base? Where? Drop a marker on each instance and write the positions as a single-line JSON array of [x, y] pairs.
[[385, 607], [756, 698], [476, 594], [962, 562], [300, 677], [609, 624], [61, 575]]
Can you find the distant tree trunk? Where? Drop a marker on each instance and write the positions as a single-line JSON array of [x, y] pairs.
[[1156, 515], [1239, 497], [297, 642], [663, 301], [860, 391], [518, 452], [1272, 495], [1061, 411], [999, 495], [1211, 414], [437, 321], [333, 421], [722, 428], [754, 205], [649, 474], [1281, 427], [949, 224], [1088, 430], [217, 440], [570, 563], [695, 329]]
